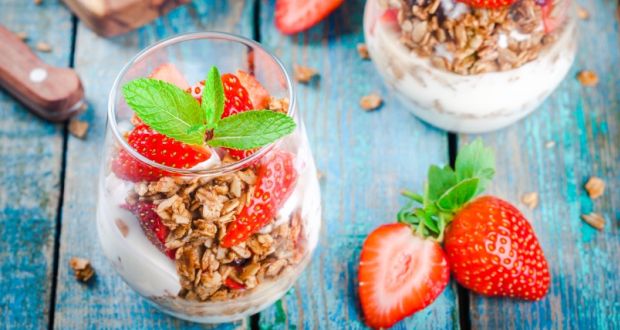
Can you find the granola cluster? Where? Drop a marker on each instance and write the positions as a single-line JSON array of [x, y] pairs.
[[477, 40], [197, 211]]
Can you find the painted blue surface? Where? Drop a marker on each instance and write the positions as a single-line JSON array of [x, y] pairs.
[[366, 159]]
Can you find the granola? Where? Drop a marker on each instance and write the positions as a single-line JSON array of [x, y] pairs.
[[196, 211], [476, 41], [82, 269]]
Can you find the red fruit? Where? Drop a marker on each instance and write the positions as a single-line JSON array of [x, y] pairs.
[[489, 4], [239, 154], [276, 177], [294, 16], [492, 250], [399, 274], [232, 284], [237, 98], [258, 94], [196, 90], [169, 73], [553, 16], [159, 148], [151, 224]]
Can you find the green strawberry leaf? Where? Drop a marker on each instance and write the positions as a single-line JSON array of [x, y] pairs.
[[213, 98], [475, 161], [251, 129], [439, 181], [166, 108], [455, 197]]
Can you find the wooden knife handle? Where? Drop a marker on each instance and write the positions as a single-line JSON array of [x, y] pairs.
[[53, 93]]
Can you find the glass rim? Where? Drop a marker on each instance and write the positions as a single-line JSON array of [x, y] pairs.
[[211, 35]]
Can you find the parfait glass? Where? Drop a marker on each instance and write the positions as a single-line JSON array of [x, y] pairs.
[[469, 69], [200, 280]]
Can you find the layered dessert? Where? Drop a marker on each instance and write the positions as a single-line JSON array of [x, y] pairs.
[[209, 203], [471, 65]]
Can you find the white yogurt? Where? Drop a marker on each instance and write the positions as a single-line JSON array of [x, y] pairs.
[[467, 104]]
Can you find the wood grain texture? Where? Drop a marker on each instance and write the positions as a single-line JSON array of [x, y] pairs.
[[30, 158], [366, 158], [109, 302], [584, 123]]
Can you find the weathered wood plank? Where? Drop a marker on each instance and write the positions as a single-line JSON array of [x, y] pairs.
[[30, 174], [109, 303], [367, 158], [584, 123]]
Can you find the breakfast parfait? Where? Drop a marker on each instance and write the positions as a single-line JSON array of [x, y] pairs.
[[471, 65], [209, 202]]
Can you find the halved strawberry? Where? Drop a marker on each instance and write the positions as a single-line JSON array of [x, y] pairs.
[[168, 72], [294, 16], [276, 177], [232, 284], [553, 16], [258, 94], [237, 98], [399, 274], [492, 249], [159, 148], [488, 4], [151, 224]]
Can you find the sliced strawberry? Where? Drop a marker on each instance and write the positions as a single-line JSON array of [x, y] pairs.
[[553, 16], [276, 177], [240, 154], [492, 250], [399, 274], [294, 16], [258, 94], [159, 148], [237, 98], [488, 4], [232, 284], [196, 90], [168, 72], [151, 224]]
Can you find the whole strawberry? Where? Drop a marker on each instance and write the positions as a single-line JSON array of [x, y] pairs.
[[493, 250]]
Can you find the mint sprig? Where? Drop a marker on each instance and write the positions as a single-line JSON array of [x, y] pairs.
[[447, 190], [171, 111]]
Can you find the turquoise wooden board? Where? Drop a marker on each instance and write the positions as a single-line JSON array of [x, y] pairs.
[[30, 178], [109, 302], [366, 158], [584, 123]]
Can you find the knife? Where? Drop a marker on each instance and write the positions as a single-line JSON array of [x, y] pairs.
[[55, 94]]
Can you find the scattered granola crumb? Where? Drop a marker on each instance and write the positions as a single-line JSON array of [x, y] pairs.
[[362, 49], [582, 13], [82, 269], [550, 144], [78, 128], [530, 199], [595, 187], [122, 227], [23, 36], [587, 78], [320, 175], [43, 46], [304, 74], [594, 219], [371, 102], [38, 2]]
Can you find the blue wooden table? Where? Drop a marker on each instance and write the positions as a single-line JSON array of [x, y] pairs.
[[48, 178]]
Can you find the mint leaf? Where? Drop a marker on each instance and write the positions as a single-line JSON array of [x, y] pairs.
[[213, 98], [439, 180], [474, 160], [166, 108], [251, 129], [458, 195]]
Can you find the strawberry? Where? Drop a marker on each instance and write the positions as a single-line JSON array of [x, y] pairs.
[[232, 284], [258, 94], [399, 274], [159, 148], [294, 16], [239, 154], [237, 98], [276, 177], [493, 250], [488, 4], [151, 224], [553, 16], [169, 73]]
